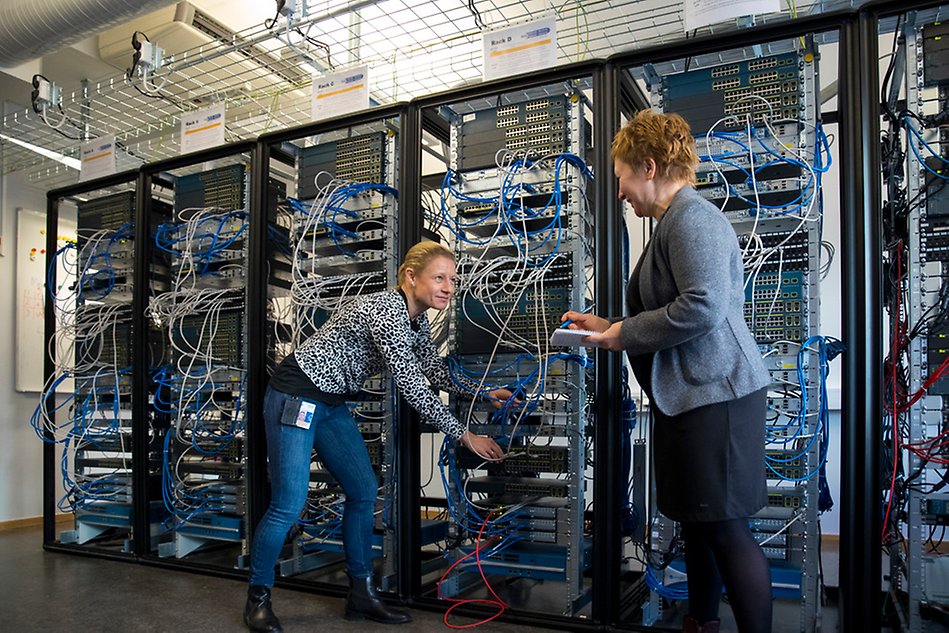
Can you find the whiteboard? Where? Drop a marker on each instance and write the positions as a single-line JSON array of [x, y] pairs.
[[31, 295]]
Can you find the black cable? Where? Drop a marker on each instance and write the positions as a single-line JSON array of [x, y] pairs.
[[276, 16], [318, 44], [688, 60], [477, 15], [889, 72], [822, 588], [137, 55]]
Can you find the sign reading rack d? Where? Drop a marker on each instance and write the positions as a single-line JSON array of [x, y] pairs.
[[519, 49], [340, 92], [202, 129]]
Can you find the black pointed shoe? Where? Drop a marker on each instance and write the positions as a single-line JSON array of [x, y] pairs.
[[362, 603], [258, 612]]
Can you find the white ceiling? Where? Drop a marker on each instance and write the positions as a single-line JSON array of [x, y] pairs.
[[413, 47], [69, 66]]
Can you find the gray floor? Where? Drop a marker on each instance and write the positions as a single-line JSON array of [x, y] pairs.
[[47, 591]]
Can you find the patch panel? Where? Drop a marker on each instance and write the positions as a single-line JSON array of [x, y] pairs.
[[765, 77], [759, 105], [360, 158], [790, 406], [535, 459], [222, 188], [723, 71], [766, 62], [105, 213], [760, 91], [218, 340], [774, 553], [789, 498], [785, 463], [518, 486], [934, 239], [539, 116], [763, 524], [479, 135], [537, 105], [725, 84], [774, 541]]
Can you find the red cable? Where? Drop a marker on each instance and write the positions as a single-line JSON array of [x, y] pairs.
[[497, 602], [935, 377], [923, 448], [893, 361]]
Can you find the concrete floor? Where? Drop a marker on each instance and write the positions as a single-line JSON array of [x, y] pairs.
[[52, 592]]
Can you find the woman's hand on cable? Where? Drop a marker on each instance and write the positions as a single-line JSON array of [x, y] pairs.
[[484, 447], [499, 396], [585, 321]]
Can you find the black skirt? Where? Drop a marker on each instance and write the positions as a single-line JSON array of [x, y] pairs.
[[709, 462]]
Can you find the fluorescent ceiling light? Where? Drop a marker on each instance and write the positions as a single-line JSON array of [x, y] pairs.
[[65, 160]]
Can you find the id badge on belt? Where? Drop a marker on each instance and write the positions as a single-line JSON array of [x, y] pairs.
[[298, 413]]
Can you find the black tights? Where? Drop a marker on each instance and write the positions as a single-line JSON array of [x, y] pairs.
[[727, 551]]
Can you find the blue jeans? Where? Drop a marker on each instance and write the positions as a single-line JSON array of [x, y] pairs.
[[341, 448]]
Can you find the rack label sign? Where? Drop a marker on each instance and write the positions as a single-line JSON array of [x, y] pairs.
[[340, 92], [97, 158], [520, 49], [699, 13], [202, 129]]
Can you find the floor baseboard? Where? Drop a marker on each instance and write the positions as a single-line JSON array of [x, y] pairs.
[[16, 524]]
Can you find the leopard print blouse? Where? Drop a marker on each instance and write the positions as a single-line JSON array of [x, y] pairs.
[[372, 334]]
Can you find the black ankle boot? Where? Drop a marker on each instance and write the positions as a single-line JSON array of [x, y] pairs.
[[258, 614], [691, 625], [362, 602]]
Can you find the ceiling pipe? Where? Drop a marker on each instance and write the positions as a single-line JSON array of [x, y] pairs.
[[33, 28]]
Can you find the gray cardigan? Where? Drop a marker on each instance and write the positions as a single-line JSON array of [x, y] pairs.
[[690, 282]]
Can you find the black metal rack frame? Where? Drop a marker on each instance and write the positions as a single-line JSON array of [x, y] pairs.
[[608, 366], [270, 147], [858, 115], [53, 199]]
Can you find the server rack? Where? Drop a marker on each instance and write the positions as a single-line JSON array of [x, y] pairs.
[[497, 335], [686, 76], [918, 570], [86, 409], [337, 233], [761, 163], [197, 300]]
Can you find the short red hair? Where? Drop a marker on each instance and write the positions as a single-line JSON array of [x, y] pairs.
[[665, 138]]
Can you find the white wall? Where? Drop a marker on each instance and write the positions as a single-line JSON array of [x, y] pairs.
[[21, 466]]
